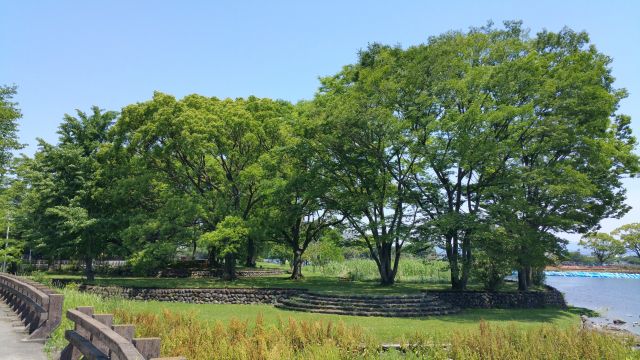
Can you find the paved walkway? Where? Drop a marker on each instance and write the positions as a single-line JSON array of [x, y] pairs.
[[11, 334]]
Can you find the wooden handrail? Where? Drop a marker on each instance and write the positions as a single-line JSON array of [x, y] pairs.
[[39, 307], [94, 337]]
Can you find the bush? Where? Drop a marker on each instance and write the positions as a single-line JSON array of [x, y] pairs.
[[152, 258], [490, 270]]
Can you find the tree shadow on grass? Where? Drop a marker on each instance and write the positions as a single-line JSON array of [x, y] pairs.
[[546, 315]]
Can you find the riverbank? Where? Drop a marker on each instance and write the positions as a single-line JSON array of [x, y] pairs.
[[615, 300]]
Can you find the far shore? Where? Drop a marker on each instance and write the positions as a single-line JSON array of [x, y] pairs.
[[596, 268]]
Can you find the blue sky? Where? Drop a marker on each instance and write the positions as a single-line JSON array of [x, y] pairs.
[[67, 55]]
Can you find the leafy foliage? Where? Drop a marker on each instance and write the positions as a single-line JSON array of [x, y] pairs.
[[603, 246]]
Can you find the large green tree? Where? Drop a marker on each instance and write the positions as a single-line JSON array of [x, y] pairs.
[[511, 131], [209, 150], [64, 212], [294, 211], [9, 115], [364, 154], [566, 176]]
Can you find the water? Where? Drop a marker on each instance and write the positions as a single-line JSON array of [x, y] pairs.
[[612, 298]]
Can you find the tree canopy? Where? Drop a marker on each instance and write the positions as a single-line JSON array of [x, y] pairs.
[[486, 144]]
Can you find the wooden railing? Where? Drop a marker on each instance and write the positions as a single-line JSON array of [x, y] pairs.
[[95, 337], [39, 307]]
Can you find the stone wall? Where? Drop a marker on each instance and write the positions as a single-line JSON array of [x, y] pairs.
[[502, 300], [197, 296], [184, 273]]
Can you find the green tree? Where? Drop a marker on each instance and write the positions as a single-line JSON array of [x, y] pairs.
[[228, 237], [630, 236], [208, 150], [64, 212], [503, 135], [294, 212], [566, 176], [603, 246], [9, 115], [364, 155]]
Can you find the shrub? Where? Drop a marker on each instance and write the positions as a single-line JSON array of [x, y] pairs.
[[149, 260]]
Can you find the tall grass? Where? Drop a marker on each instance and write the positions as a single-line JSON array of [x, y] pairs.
[[541, 342], [72, 299], [410, 269], [184, 334]]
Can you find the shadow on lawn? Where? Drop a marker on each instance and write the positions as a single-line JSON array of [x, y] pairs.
[[546, 315]]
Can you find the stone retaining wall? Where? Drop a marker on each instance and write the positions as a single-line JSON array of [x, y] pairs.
[[502, 300], [185, 273], [197, 296]]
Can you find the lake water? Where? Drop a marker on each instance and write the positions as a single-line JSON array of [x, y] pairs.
[[612, 298]]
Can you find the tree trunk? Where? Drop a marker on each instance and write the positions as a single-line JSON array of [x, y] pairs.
[[385, 267], [529, 272], [296, 265], [522, 279], [88, 269], [229, 267], [213, 258], [458, 277], [251, 253]]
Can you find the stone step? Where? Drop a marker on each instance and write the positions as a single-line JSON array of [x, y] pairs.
[[371, 298], [423, 313], [368, 301], [363, 307], [382, 305]]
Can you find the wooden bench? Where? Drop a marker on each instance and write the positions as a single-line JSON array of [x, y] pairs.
[[95, 337], [37, 306]]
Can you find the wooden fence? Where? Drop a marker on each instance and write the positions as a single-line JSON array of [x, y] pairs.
[[95, 337], [39, 307]]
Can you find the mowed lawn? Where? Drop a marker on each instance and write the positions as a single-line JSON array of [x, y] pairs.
[[311, 282]]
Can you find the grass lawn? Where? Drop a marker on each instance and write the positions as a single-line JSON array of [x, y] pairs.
[[312, 282]]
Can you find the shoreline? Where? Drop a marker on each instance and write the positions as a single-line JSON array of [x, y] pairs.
[[610, 269], [609, 328]]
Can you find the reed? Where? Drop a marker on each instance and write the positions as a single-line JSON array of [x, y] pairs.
[[410, 269]]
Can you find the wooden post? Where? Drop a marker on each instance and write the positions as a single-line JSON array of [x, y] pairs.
[[148, 347], [106, 319]]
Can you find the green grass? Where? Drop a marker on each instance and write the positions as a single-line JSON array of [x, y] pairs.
[[313, 282]]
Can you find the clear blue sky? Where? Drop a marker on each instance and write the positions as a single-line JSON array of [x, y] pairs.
[[65, 55]]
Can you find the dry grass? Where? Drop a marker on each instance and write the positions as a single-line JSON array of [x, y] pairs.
[[542, 342], [184, 334]]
